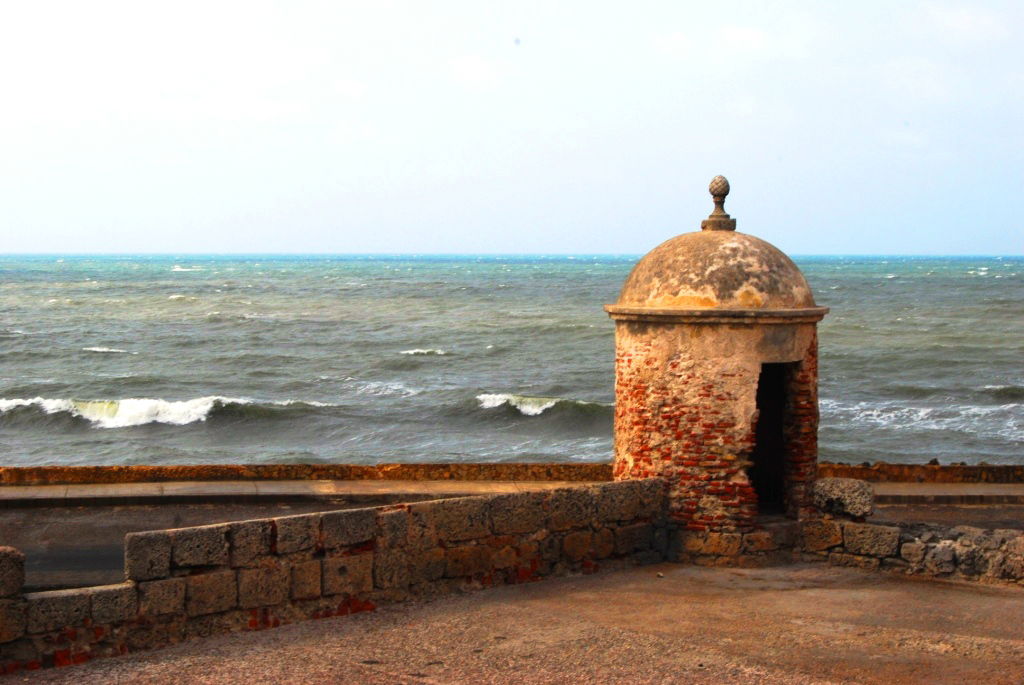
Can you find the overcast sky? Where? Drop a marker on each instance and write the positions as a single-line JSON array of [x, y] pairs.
[[526, 127]]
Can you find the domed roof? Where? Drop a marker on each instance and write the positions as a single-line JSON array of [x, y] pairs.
[[716, 268]]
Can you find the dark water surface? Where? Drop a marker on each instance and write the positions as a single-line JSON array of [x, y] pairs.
[[113, 360]]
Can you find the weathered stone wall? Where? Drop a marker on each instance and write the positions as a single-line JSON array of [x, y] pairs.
[[771, 544], [686, 411], [249, 575], [878, 472], [73, 475], [963, 552], [881, 472], [800, 432]]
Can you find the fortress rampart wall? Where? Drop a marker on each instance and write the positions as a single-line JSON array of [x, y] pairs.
[[250, 575]]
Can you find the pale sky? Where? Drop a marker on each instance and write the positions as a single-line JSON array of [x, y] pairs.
[[509, 127]]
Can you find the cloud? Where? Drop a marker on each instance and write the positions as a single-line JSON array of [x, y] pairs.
[[350, 89], [918, 78], [474, 71], [730, 44], [966, 24]]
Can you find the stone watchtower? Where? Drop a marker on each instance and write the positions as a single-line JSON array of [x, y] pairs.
[[716, 376]]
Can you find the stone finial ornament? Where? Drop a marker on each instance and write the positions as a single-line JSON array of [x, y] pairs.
[[718, 220]]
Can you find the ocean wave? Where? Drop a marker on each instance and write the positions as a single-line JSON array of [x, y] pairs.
[[383, 388], [424, 351], [107, 350], [126, 413], [535, 406], [1004, 392], [1005, 420]]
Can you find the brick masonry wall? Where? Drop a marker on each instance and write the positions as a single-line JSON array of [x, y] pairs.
[[962, 552], [686, 411], [800, 432], [250, 575]]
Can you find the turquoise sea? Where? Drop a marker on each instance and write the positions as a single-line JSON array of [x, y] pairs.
[[364, 359]]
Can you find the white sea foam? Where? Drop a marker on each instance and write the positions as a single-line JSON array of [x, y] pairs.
[[186, 268], [426, 351], [1004, 420], [383, 389], [528, 406], [141, 411], [127, 412], [107, 350]]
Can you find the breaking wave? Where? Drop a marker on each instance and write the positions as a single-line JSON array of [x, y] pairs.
[[427, 351], [130, 412], [1004, 392], [535, 406], [1005, 421]]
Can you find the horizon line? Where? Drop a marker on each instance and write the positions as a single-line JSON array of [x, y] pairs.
[[471, 254]]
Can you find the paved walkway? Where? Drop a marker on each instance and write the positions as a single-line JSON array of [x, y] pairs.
[[949, 493], [660, 624]]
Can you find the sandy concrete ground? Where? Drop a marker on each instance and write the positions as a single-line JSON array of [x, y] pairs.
[[799, 624]]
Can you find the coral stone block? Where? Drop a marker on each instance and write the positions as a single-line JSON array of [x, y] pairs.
[[871, 540], [392, 528], [306, 579], [619, 501], [13, 619], [56, 609], [632, 538], [113, 603], [570, 508], [147, 556], [266, 585], [200, 546], [210, 593], [391, 569], [12, 571], [297, 533], [456, 520], [520, 512], [818, 535], [349, 527], [159, 597], [250, 542], [348, 575], [576, 546], [468, 560]]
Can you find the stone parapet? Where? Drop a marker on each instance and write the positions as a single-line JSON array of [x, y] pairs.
[[250, 575], [962, 552], [882, 472], [12, 571], [769, 544], [71, 475], [597, 472]]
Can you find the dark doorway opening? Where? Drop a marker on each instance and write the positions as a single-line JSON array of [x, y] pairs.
[[768, 470]]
